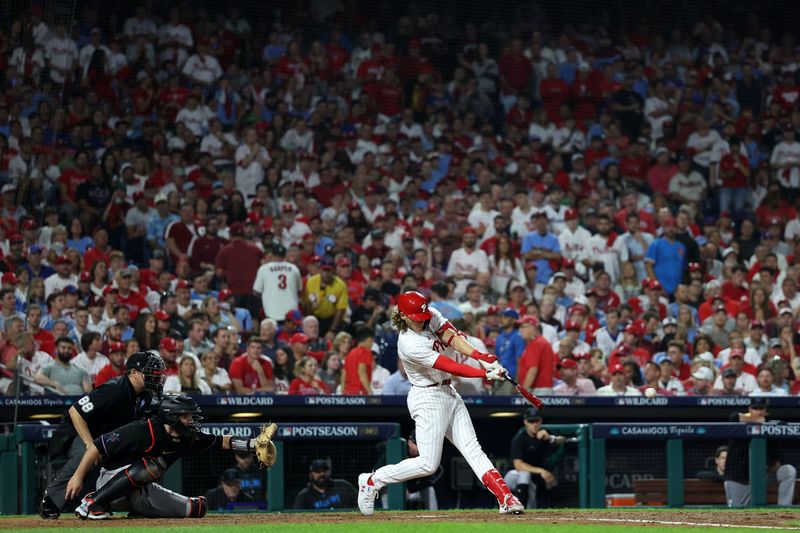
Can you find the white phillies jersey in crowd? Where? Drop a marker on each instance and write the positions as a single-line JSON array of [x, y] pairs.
[[279, 283], [419, 352]]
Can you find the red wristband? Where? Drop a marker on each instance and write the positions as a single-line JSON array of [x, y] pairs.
[[485, 357]]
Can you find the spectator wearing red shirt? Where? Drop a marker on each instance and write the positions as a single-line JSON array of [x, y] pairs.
[[515, 70], [660, 174], [98, 250], [168, 349], [358, 364], [237, 263], [628, 200], [306, 381], [180, 234], [251, 372], [554, 92], [734, 173], [70, 180], [204, 250], [636, 163], [537, 365], [134, 301], [115, 366], [735, 289]]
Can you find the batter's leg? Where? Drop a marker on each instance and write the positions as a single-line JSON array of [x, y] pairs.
[[154, 501], [462, 435], [431, 412]]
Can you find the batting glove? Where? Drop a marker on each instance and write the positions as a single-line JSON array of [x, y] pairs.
[[489, 366], [497, 374]]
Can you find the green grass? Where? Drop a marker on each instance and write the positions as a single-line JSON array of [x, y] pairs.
[[393, 527]]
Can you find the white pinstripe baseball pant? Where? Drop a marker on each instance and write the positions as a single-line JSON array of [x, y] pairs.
[[438, 412]]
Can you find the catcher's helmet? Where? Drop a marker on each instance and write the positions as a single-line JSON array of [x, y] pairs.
[[152, 367], [414, 306], [174, 405]]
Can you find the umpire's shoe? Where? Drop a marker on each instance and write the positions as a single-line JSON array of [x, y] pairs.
[[48, 509], [89, 509]]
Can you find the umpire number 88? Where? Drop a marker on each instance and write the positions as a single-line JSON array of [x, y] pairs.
[[85, 404]]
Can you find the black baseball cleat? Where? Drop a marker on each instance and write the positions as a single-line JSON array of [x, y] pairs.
[[48, 510]]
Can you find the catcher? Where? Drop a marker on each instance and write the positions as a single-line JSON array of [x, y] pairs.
[[135, 456]]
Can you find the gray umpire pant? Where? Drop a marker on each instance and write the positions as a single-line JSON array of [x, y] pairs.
[[150, 501], [57, 487], [738, 494]]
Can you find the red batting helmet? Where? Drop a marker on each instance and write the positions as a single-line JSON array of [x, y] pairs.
[[414, 306]]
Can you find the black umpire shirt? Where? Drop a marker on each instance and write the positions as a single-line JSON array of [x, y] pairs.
[[148, 438], [111, 405], [533, 451]]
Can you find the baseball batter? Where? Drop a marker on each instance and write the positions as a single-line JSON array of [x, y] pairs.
[[426, 345]]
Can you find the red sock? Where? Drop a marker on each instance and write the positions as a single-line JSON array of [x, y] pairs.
[[496, 484]]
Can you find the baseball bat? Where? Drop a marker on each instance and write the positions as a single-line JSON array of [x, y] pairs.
[[528, 395]]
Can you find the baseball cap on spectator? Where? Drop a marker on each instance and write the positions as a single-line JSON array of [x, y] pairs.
[[669, 321], [125, 273], [557, 275], [529, 320], [160, 197], [492, 310], [757, 324], [695, 267], [16, 237], [775, 343], [295, 317], [571, 214], [720, 309], [728, 251], [729, 373], [70, 289], [236, 229], [108, 289], [580, 356], [168, 344], [8, 187], [531, 264], [703, 372], [344, 262], [567, 263], [661, 358], [116, 347], [633, 328], [616, 369], [736, 352], [302, 338], [705, 356], [510, 312], [28, 224], [785, 311], [326, 263], [572, 325], [35, 249], [85, 277], [515, 284], [10, 278], [62, 259], [161, 315], [568, 363], [183, 284], [224, 294], [376, 234]]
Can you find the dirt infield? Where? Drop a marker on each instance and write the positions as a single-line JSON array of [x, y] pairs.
[[632, 518]]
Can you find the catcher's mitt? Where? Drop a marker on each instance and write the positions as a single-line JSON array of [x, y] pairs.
[[266, 453]]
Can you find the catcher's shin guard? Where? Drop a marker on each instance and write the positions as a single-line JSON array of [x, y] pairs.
[[140, 473], [197, 507]]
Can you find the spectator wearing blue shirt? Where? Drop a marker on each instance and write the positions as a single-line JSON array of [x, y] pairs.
[[158, 222], [509, 344], [439, 293], [666, 258], [541, 246]]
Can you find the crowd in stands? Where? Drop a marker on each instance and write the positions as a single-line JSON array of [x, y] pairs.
[[607, 209]]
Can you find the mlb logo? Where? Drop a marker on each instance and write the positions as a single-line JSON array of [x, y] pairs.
[[286, 431], [754, 430]]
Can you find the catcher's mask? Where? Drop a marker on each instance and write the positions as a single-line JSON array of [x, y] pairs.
[[171, 408], [152, 368]]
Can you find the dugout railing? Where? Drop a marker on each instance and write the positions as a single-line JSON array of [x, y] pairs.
[[659, 450]]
